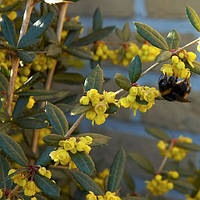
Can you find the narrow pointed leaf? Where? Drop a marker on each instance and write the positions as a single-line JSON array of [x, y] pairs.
[[117, 171], [183, 184], [83, 162], [129, 181], [57, 118], [86, 182], [13, 150], [173, 40], [122, 81], [164, 56], [53, 139], [158, 133], [126, 32], [3, 82], [196, 68], [71, 37], [47, 186], [135, 69], [44, 158], [80, 109], [4, 168], [142, 162], [79, 52], [188, 146], [8, 30], [97, 20], [97, 35], [151, 35], [193, 17], [35, 31], [26, 56], [95, 79]]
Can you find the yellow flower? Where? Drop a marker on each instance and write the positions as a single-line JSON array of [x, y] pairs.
[[173, 174], [30, 188], [100, 108], [91, 196], [84, 100], [44, 172], [31, 102]]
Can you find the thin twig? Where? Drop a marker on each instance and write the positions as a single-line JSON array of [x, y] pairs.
[[78, 121]]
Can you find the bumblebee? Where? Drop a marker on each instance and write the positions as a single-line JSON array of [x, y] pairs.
[[173, 89]]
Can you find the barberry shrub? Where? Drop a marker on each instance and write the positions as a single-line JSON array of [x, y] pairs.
[[42, 156]]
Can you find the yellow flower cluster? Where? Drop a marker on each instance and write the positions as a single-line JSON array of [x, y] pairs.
[[73, 145], [196, 197], [176, 153], [100, 103], [101, 51], [108, 196], [173, 174], [158, 186], [30, 103], [130, 51], [178, 68], [139, 93], [42, 133], [148, 53], [101, 176]]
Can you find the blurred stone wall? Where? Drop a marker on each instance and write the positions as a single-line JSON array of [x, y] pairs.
[[174, 117]]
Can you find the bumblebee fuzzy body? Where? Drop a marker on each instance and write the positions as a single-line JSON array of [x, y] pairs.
[[173, 90]]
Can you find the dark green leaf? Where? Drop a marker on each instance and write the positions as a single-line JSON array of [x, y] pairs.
[[122, 81], [44, 158], [51, 35], [8, 30], [86, 182], [98, 35], [4, 168], [97, 139], [151, 35], [20, 106], [95, 79], [80, 109], [142, 102], [112, 108], [47, 186], [129, 181], [164, 56], [3, 83], [142, 162], [83, 162], [53, 139], [193, 17], [158, 133], [126, 32], [53, 50], [26, 56], [35, 31], [57, 118], [173, 40], [5, 127], [117, 171], [97, 20], [79, 52], [135, 69], [37, 92], [13, 149], [188, 146], [71, 37], [69, 78]]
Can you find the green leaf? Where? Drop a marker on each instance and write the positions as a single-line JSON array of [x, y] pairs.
[[47, 186], [80, 109], [158, 133], [86, 182], [51, 35], [4, 168], [151, 35], [79, 52], [126, 32], [35, 31], [71, 37], [69, 78], [129, 181], [135, 198], [183, 184], [26, 56], [57, 118], [116, 171], [3, 82], [53, 139], [97, 20], [142, 162], [44, 158], [135, 69], [37, 92], [112, 108], [193, 17], [30, 122], [173, 40], [95, 79], [20, 106], [122, 81], [97, 139], [13, 150], [142, 102], [97, 35], [119, 33], [163, 56], [196, 68], [8, 30], [83, 162], [53, 50], [188, 146]]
